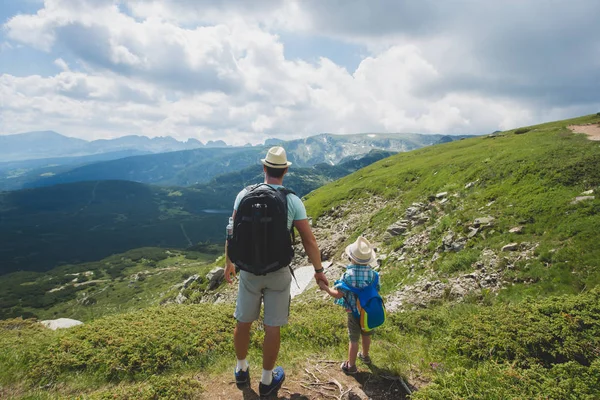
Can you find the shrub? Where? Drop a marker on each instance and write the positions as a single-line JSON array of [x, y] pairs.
[[552, 331], [138, 344], [521, 131], [155, 387]]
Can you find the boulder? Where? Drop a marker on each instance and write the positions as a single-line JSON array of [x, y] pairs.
[[483, 221], [441, 195], [516, 229], [180, 299], [588, 192], [511, 247], [215, 277], [398, 228], [60, 323], [582, 198], [190, 280]]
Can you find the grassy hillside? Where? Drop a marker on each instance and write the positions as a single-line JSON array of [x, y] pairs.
[[533, 336], [123, 282]]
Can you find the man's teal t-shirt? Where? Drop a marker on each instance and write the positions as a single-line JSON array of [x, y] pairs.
[[296, 209]]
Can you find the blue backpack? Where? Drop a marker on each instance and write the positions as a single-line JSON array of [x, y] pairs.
[[371, 310]]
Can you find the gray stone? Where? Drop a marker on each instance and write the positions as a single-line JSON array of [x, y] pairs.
[[190, 280], [587, 192], [215, 277], [582, 198], [60, 323], [441, 195], [180, 299], [487, 221], [511, 247], [516, 229], [444, 201], [473, 232], [398, 228]]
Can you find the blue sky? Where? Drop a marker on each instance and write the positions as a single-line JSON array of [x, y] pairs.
[[245, 71]]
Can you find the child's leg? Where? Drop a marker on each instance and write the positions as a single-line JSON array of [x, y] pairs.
[[366, 344], [354, 336], [352, 353]]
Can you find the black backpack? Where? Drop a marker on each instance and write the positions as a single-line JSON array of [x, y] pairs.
[[261, 242]]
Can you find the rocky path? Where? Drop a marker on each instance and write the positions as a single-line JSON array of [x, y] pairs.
[[314, 379]]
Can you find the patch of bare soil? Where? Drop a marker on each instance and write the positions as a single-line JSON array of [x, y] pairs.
[[592, 130], [318, 379]]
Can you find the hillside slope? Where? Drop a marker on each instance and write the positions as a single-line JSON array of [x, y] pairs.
[[489, 247]]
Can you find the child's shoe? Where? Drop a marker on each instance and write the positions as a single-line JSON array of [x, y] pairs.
[[363, 358], [349, 370]]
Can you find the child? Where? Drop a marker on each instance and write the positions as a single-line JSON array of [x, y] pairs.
[[358, 274]]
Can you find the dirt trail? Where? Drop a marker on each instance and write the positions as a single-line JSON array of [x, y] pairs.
[[592, 130], [317, 379]]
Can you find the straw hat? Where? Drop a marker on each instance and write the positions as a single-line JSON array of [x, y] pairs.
[[276, 158], [360, 251]]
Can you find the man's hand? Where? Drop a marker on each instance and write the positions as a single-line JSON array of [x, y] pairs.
[[320, 276], [229, 272], [322, 285]]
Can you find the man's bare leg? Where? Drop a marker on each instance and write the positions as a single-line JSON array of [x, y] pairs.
[[271, 346], [241, 339]]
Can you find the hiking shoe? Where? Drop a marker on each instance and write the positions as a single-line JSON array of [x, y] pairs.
[[242, 378], [365, 359], [278, 378], [349, 370]]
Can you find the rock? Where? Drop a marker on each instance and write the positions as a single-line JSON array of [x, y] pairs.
[[516, 229], [487, 221], [441, 195], [190, 280], [582, 198], [180, 299], [587, 192], [473, 232], [470, 185], [398, 228], [444, 201], [511, 247], [60, 323], [215, 277]]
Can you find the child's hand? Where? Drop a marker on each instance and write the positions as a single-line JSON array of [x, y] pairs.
[[323, 285]]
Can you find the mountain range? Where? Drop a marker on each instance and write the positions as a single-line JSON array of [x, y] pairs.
[[49, 144], [200, 165]]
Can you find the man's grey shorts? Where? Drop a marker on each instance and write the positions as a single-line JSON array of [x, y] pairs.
[[274, 288], [354, 329]]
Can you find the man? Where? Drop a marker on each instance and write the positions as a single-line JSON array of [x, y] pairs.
[[273, 287]]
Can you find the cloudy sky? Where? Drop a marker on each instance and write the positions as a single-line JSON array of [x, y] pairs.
[[244, 70]]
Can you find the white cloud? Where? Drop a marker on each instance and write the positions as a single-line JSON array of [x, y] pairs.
[[215, 70]]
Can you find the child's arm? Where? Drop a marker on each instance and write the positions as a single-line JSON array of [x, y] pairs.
[[332, 292]]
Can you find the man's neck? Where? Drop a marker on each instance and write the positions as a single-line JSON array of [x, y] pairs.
[[273, 181]]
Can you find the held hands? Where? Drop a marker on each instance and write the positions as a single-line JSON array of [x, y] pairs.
[[323, 286], [320, 277]]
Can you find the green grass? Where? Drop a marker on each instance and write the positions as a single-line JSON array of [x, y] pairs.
[[116, 290]]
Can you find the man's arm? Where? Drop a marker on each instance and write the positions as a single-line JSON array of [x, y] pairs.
[[229, 266], [310, 246]]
